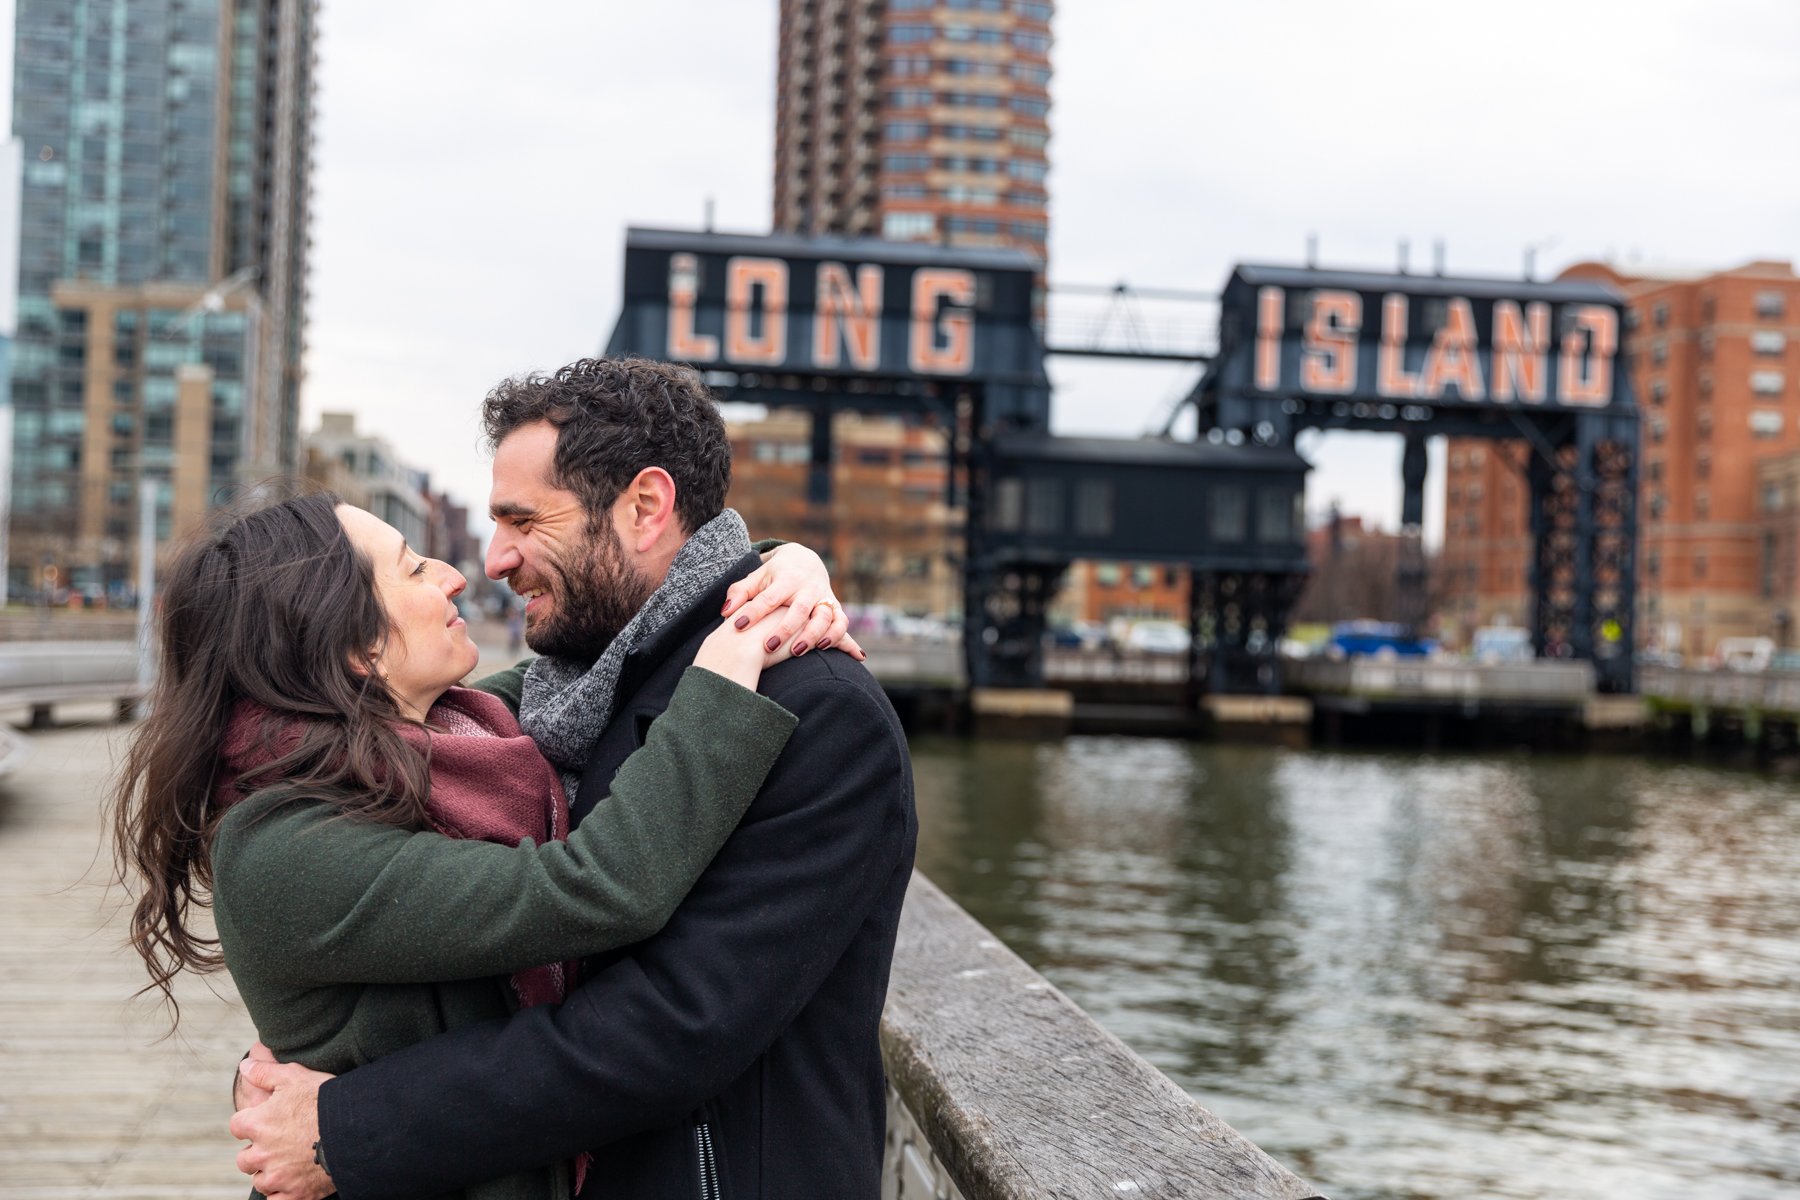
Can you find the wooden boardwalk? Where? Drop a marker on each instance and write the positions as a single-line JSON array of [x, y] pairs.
[[91, 1103]]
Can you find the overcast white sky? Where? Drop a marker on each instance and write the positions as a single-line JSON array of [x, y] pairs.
[[477, 166]]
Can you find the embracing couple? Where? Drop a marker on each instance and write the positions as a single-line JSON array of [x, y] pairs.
[[615, 923]]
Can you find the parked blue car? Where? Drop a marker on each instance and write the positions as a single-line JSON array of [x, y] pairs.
[[1375, 639]]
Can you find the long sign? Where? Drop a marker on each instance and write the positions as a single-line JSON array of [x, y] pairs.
[[1308, 334], [779, 303]]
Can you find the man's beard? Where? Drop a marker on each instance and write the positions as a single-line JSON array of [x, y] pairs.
[[594, 597]]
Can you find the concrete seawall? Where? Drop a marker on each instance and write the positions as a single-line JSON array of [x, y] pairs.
[[1001, 1088]]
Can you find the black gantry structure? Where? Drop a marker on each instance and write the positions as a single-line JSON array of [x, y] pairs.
[[1424, 356], [952, 335]]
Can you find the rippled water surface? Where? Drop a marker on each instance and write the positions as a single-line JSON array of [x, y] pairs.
[[1409, 976]]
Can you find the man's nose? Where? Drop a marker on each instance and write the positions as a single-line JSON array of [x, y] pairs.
[[502, 555]]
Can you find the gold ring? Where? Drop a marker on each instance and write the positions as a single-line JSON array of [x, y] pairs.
[[831, 604]]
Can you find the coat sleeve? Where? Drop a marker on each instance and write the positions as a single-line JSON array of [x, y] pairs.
[[328, 900], [645, 1041]]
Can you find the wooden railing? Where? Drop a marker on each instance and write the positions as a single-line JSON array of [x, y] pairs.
[[1003, 1089]]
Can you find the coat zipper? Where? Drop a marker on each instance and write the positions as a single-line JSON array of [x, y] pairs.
[[709, 1166]]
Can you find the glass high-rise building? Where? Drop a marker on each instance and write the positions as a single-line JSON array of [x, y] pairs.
[[162, 267], [915, 120]]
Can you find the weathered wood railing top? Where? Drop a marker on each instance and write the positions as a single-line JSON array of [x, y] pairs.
[[1022, 1095]]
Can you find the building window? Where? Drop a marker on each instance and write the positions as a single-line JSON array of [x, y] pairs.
[[1766, 423], [1771, 497], [1660, 314], [1229, 513], [1768, 564], [1702, 506], [909, 98], [1654, 563], [1703, 467], [1107, 574], [1275, 515], [1700, 566], [1008, 511], [1767, 383], [1094, 508], [1768, 341], [1659, 351], [1708, 343], [906, 226], [906, 131], [1709, 307], [980, 37], [1043, 506], [1036, 43], [1143, 576], [903, 34], [1659, 504], [1770, 304], [981, 226], [1656, 470], [1659, 391], [900, 164]]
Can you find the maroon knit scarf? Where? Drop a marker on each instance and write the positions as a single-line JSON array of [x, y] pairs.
[[488, 783]]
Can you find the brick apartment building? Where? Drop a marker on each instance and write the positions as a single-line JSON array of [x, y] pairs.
[[915, 120], [888, 533], [1716, 371]]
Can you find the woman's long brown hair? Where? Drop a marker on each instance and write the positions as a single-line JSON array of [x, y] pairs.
[[273, 606]]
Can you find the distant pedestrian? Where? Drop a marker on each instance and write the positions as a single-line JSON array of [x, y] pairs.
[[515, 628]]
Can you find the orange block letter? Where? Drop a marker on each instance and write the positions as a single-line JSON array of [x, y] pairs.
[[956, 325], [859, 311], [743, 278], [684, 285]]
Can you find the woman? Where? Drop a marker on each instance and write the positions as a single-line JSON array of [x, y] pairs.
[[387, 854]]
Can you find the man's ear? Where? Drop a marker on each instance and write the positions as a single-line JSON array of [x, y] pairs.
[[647, 509]]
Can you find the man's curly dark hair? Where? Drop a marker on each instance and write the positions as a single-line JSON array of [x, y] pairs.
[[616, 416]]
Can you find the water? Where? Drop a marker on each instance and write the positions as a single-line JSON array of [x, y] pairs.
[[1411, 976]]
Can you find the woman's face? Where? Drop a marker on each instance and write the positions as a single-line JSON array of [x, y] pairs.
[[427, 648]]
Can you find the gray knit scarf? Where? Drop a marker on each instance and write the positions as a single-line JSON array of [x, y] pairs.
[[566, 702]]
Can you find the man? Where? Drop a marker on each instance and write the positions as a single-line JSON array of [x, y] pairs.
[[737, 1048]]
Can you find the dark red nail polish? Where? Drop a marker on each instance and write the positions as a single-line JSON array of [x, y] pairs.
[[771, 644], [824, 643], [799, 649], [743, 622]]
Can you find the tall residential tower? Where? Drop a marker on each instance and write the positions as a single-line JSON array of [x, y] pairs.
[[915, 120], [162, 266]]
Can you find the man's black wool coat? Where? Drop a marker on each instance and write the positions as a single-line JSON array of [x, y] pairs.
[[742, 1039]]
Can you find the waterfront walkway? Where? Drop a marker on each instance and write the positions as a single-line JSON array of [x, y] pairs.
[[94, 1105]]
